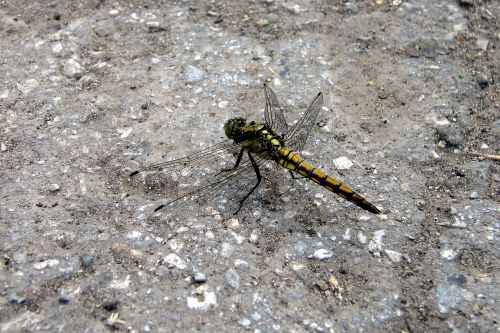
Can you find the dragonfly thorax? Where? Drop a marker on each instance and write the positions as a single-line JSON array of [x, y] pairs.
[[256, 138]]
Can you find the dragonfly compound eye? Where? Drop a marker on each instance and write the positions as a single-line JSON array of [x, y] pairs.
[[233, 127]]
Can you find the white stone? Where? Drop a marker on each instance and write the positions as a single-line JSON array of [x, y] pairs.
[[342, 163], [116, 284], [202, 299], [448, 254], [254, 236], [46, 263], [57, 48], [239, 239], [393, 255], [134, 235], [174, 260], [241, 264], [233, 223], [323, 254], [72, 67], [376, 243], [125, 132], [222, 104], [245, 322], [362, 238]]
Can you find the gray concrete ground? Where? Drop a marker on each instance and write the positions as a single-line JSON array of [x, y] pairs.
[[92, 90]]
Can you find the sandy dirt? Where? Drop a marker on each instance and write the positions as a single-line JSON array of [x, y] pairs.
[[92, 90]]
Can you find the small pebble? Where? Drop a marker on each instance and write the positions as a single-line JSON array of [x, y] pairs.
[[72, 69], [193, 74], [482, 44], [362, 238], [54, 188], [256, 316], [448, 254], [222, 104], [63, 296], [135, 235], [323, 254], [232, 278], [293, 8], [334, 282], [262, 22], [245, 322], [199, 277], [393, 255], [351, 7], [57, 48], [474, 195], [46, 263], [201, 299], [16, 299], [272, 18], [240, 264], [342, 163], [175, 261], [155, 26], [87, 261]]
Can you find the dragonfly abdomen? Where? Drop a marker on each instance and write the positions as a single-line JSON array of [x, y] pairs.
[[292, 161]]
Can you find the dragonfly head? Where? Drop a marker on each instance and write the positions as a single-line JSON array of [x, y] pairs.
[[233, 127]]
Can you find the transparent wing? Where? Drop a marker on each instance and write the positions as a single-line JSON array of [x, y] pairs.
[[296, 137], [226, 190], [217, 152], [199, 177], [274, 114]]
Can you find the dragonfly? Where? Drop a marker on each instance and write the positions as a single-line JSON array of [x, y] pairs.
[[254, 146]]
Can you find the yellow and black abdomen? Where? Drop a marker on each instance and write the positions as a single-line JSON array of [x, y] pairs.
[[292, 161]]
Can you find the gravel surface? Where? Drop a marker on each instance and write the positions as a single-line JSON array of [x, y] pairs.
[[91, 90]]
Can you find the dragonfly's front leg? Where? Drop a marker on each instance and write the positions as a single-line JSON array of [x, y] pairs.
[[238, 160], [259, 178]]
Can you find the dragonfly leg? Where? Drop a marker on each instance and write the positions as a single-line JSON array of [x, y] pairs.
[[259, 178], [238, 160]]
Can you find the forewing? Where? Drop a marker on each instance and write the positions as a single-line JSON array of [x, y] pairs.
[[210, 155], [274, 113], [296, 137]]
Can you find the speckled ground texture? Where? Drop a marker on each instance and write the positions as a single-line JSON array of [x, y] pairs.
[[91, 90]]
